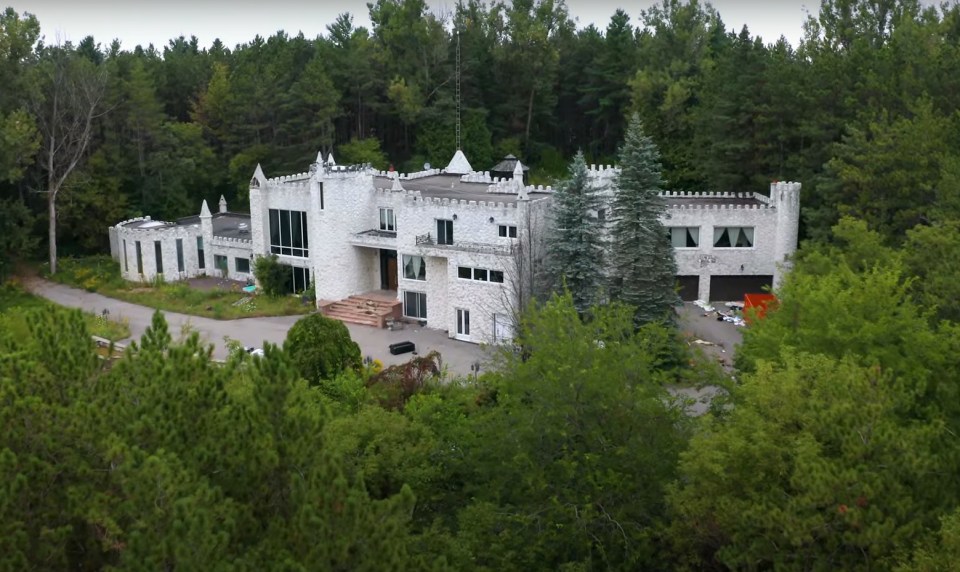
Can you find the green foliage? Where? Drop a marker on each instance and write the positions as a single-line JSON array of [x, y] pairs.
[[271, 275], [816, 467], [321, 348], [643, 269], [575, 251], [363, 151], [17, 241]]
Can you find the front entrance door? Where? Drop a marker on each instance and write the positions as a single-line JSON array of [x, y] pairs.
[[463, 324], [388, 269]]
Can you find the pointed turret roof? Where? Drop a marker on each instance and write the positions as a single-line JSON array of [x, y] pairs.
[[205, 210], [259, 179], [330, 159], [396, 182], [518, 181], [459, 164]]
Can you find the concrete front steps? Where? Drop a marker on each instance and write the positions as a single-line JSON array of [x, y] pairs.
[[370, 309]]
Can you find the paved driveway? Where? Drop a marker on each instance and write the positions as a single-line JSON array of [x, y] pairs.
[[457, 356]]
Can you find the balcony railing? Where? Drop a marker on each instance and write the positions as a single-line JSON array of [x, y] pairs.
[[426, 240], [375, 238]]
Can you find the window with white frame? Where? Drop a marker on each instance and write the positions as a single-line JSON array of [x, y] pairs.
[[685, 236], [387, 222], [414, 267], [444, 231], [415, 305], [508, 231], [288, 233], [733, 237], [479, 274]]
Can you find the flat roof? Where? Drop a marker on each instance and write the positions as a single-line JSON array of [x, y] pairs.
[[147, 224], [231, 225], [451, 187]]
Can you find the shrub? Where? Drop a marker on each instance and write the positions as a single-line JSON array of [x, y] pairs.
[[321, 348], [271, 275]]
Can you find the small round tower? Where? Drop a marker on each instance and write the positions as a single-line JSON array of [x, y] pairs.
[[785, 196]]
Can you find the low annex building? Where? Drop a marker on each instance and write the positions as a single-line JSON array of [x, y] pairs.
[[449, 244]]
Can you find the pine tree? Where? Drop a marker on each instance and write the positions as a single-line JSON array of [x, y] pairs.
[[643, 267], [575, 248]]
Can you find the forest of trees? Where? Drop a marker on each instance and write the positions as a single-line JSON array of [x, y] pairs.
[[862, 111], [832, 444]]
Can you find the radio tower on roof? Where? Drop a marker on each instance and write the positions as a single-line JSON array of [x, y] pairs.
[[458, 90], [459, 165]]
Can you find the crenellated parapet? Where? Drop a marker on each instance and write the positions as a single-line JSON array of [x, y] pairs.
[[132, 220], [231, 242], [408, 176]]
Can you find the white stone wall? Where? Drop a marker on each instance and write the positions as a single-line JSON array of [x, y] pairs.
[[482, 299], [232, 248], [167, 235]]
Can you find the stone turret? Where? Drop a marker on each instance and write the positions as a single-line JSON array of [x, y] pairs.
[[223, 204], [330, 160], [518, 182], [786, 198], [206, 233]]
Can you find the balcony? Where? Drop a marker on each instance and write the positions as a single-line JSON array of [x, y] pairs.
[[429, 246], [375, 238]]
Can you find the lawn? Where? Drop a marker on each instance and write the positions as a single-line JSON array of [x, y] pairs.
[[14, 298], [101, 274]]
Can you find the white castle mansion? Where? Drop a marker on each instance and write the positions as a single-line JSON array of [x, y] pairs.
[[442, 245]]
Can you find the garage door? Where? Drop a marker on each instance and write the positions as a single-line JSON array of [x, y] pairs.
[[689, 287], [732, 288]]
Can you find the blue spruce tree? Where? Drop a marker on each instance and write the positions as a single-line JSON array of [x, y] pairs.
[[643, 272], [575, 245]]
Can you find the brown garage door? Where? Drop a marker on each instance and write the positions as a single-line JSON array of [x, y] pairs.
[[689, 287], [732, 288]]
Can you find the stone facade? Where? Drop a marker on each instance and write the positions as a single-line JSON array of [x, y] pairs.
[[351, 245]]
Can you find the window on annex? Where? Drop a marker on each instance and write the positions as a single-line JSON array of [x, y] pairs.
[[220, 262], [685, 236], [480, 274], [288, 233], [387, 222], [126, 261], [158, 253], [139, 258], [414, 267], [242, 265], [733, 237], [508, 231], [415, 305], [444, 231], [179, 255], [201, 259]]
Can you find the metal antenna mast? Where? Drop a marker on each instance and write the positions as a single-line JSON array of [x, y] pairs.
[[458, 90]]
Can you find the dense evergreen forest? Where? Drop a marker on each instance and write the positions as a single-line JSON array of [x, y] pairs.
[[862, 111], [832, 445]]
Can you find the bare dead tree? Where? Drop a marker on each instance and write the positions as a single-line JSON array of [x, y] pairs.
[[70, 92], [526, 279]]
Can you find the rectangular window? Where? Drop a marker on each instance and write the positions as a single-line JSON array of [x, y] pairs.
[[158, 252], [242, 265], [465, 272], [387, 221], [601, 215], [201, 259], [463, 323], [301, 279], [508, 231], [139, 259], [321, 196], [289, 233], [685, 236], [733, 237], [126, 261], [496, 276], [444, 231], [220, 262], [179, 255], [480, 274], [414, 268], [415, 305]]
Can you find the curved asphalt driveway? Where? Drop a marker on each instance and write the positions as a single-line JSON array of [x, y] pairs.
[[374, 342]]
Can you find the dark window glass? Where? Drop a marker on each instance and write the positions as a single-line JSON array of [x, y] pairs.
[[220, 262], [296, 232], [242, 264], [158, 252], [496, 276], [306, 233], [464, 272], [126, 262], [201, 259], [139, 259], [179, 255], [444, 231], [321, 196], [415, 305], [480, 274]]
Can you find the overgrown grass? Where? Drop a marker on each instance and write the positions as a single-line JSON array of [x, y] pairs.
[[101, 274], [14, 299]]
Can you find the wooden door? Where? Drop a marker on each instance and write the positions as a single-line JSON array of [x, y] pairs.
[[392, 273]]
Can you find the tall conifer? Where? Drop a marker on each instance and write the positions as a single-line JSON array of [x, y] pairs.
[[643, 268], [575, 247]]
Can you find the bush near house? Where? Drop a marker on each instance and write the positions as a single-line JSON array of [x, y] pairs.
[[321, 348], [101, 274]]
